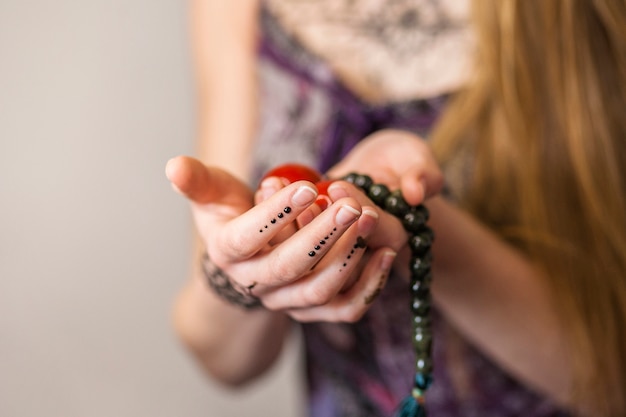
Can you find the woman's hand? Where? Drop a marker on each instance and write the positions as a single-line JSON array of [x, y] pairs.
[[397, 159], [307, 273]]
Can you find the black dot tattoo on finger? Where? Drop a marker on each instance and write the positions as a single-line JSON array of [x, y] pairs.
[[360, 244], [321, 242], [280, 215]]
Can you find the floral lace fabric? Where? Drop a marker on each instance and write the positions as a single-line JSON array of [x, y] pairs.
[[385, 49]]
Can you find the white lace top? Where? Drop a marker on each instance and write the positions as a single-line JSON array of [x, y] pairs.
[[385, 50]]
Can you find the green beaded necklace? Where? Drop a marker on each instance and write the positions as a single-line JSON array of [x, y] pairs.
[[414, 220]]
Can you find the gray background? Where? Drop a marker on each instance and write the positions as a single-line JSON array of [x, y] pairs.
[[95, 97]]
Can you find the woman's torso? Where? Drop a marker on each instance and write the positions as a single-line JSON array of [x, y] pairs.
[[309, 115]]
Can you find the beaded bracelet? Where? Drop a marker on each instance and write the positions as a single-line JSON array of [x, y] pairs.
[[413, 220]]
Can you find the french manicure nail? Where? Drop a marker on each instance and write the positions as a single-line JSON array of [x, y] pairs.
[[347, 215], [337, 191], [304, 195], [269, 187], [387, 260]]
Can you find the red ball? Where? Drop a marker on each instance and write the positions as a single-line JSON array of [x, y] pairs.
[[297, 172], [294, 172]]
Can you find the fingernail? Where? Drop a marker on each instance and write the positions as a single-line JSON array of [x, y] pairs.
[[336, 191], [175, 188], [366, 226], [387, 260], [304, 195], [347, 215], [269, 187], [168, 167], [371, 213]]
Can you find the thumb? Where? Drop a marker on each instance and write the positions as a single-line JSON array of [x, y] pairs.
[[418, 184], [202, 184]]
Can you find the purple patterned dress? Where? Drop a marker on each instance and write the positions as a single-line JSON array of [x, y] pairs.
[[365, 369]]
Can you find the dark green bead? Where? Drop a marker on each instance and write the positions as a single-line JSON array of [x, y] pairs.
[[413, 221], [419, 267], [420, 307], [422, 293], [396, 204], [422, 208], [421, 322], [421, 242], [426, 279], [424, 364], [351, 177], [364, 182], [378, 193], [422, 342], [419, 286]]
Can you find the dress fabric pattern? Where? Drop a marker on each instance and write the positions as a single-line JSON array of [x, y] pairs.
[[366, 368]]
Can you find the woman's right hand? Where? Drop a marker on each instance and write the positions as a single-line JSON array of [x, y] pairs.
[[306, 272]]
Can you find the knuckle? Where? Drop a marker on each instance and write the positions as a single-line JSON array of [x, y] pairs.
[[352, 314], [300, 316], [236, 246], [282, 270], [316, 295]]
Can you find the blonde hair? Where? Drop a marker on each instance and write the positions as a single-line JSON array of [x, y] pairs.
[[544, 121]]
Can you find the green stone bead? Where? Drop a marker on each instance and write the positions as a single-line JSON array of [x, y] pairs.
[[423, 293], [424, 364], [421, 322], [378, 193], [351, 177], [421, 242], [422, 208], [420, 307], [396, 205], [364, 182], [413, 221], [419, 267], [419, 287], [422, 342]]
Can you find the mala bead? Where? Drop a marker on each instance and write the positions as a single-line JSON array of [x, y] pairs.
[[378, 193], [351, 177], [424, 364], [396, 204], [364, 182], [423, 381], [424, 211], [421, 322], [420, 286], [420, 307], [422, 294], [419, 267], [422, 341], [421, 242], [414, 220]]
